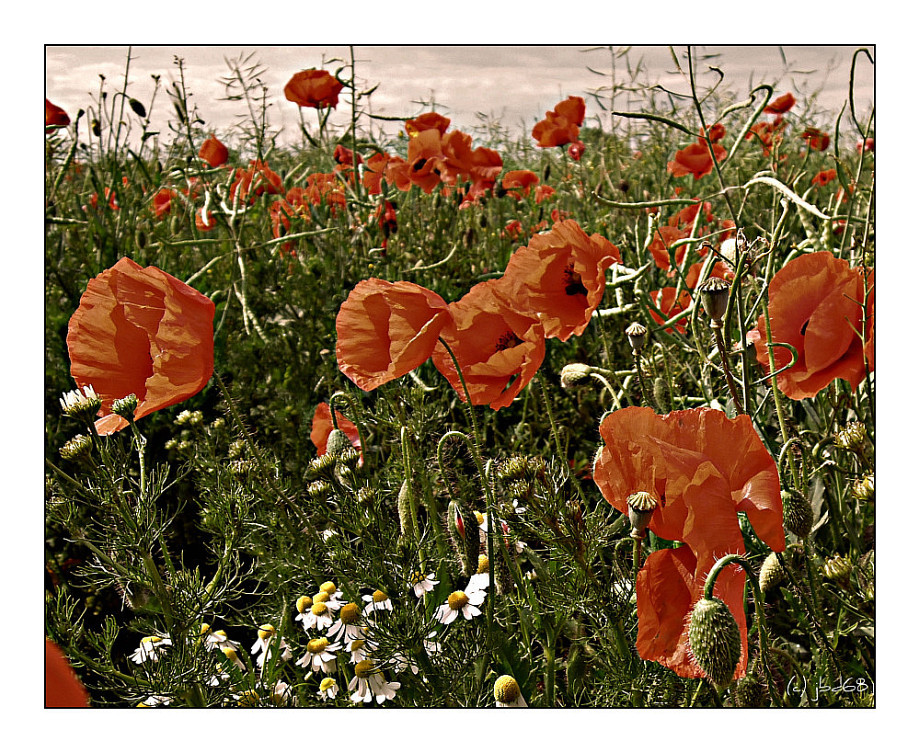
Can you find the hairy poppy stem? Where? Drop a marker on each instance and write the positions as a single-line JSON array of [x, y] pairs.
[[716, 327]]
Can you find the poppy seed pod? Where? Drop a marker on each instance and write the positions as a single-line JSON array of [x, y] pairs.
[[641, 507], [798, 517], [715, 640], [714, 294], [574, 373], [637, 333]]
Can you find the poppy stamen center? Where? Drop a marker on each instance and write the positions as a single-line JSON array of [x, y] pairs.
[[507, 340], [572, 282]]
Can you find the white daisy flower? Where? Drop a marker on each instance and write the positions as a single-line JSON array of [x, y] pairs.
[[216, 639], [328, 688], [154, 700], [333, 602], [359, 649], [151, 647], [464, 602], [508, 693], [369, 683], [422, 584], [398, 662], [377, 602], [266, 641], [431, 646], [319, 617], [346, 627], [320, 656]]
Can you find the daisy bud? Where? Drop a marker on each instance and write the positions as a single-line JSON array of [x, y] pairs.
[[125, 407], [715, 640], [513, 468], [574, 373], [637, 334], [714, 295], [304, 603], [319, 490], [641, 506], [320, 465], [508, 693], [78, 448], [852, 437], [864, 488], [798, 517], [838, 569], [771, 572]]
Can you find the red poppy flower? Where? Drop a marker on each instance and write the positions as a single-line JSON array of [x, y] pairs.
[[139, 330], [162, 202], [559, 278], [519, 179], [213, 152], [499, 349], [387, 329], [512, 230], [817, 140], [424, 158], [322, 427], [696, 160], [665, 236], [562, 125], [868, 145], [313, 88], [426, 122], [719, 269], [63, 690], [670, 304], [576, 150], [780, 105], [254, 181], [824, 177], [345, 156], [543, 192], [815, 306], [55, 117], [703, 468], [768, 134], [204, 221]]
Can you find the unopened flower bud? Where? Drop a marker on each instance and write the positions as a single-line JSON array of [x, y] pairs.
[[838, 569], [851, 437], [715, 640], [637, 334], [337, 443], [574, 373], [798, 517], [864, 488], [714, 295], [125, 407], [78, 448], [771, 572]]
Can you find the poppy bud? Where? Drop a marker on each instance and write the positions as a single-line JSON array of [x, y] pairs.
[[404, 508], [623, 185], [715, 640], [714, 295], [94, 126], [641, 506], [662, 392], [464, 537], [750, 693], [798, 517], [574, 373], [636, 333], [138, 108], [771, 572]]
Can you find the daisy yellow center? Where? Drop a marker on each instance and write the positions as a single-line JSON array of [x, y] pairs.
[[249, 698], [417, 577], [364, 668], [229, 652], [483, 564], [151, 639], [318, 645], [506, 689], [220, 634], [350, 613], [457, 600], [304, 603], [319, 609], [357, 645], [322, 596], [379, 596], [480, 518], [328, 682], [205, 628], [266, 631], [328, 587]]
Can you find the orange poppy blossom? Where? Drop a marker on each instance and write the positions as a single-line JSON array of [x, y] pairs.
[[559, 277], [55, 117], [695, 159], [427, 121], [63, 689], [253, 181], [213, 151], [817, 140], [703, 468], [781, 104], [519, 179], [498, 348], [322, 427], [670, 304], [562, 125], [162, 202], [768, 134], [815, 306], [824, 177], [313, 88], [140, 330], [387, 329], [576, 150]]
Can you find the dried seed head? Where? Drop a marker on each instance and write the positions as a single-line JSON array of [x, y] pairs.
[[798, 517], [771, 572], [641, 506], [714, 297], [637, 334], [715, 640]]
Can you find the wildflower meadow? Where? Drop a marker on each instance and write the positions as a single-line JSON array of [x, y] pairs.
[[580, 415]]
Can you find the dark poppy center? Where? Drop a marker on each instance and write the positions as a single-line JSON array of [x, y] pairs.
[[507, 340], [572, 282]]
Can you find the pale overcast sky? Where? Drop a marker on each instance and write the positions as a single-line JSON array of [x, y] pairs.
[[515, 84]]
